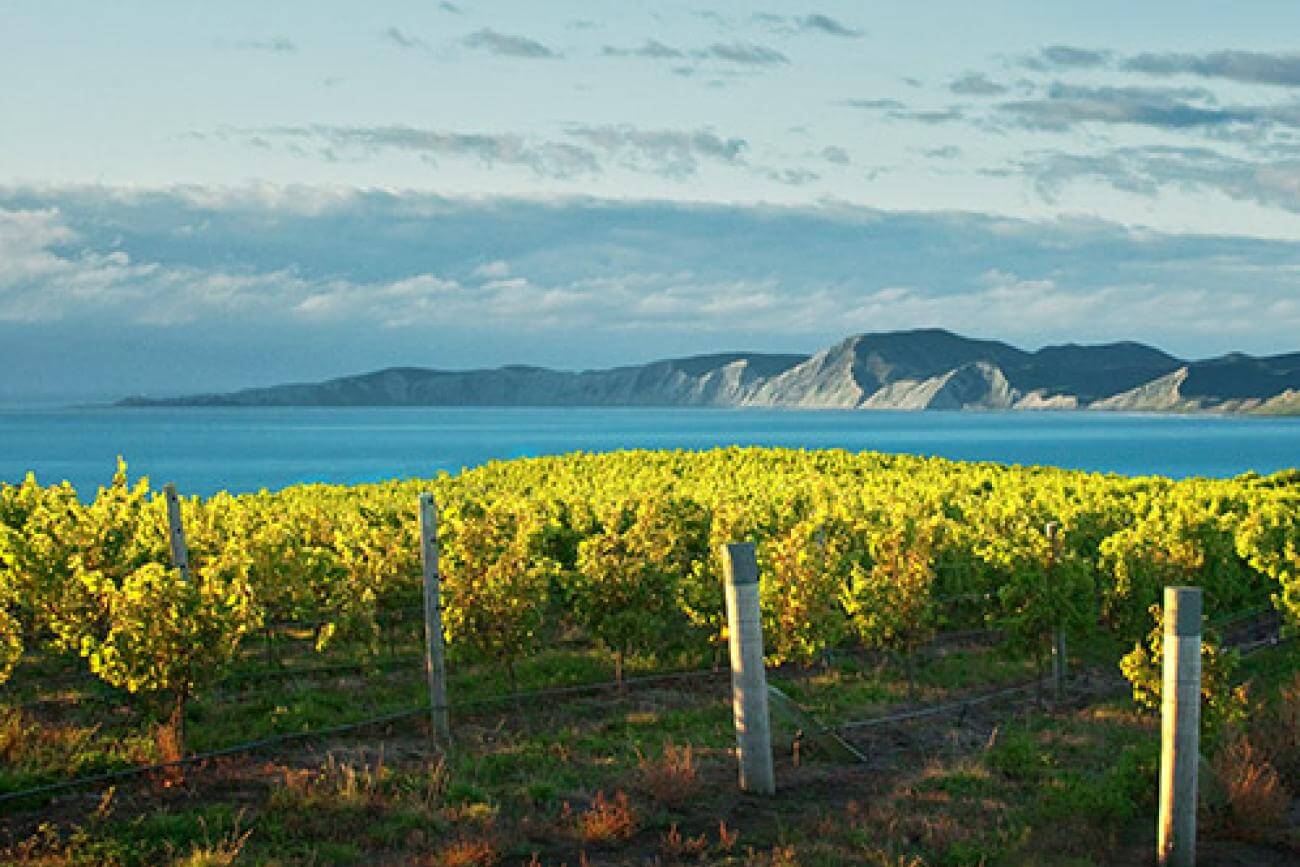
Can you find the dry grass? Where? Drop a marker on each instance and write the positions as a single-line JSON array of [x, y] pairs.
[[727, 837], [339, 781], [1275, 731], [222, 853], [674, 846], [674, 777], [779, 856], [466, 853], [608, 820], [13, 735], [1256, 800]]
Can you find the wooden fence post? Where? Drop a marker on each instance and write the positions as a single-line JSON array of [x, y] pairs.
[[176, 532], [1180, 727], [748, 677], [1058, 632], [435, 664]]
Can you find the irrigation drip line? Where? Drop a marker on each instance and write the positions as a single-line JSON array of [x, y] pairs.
[[1220, 622], [1245, 649], [197, 758], [1249, 647], [387, 664], [288, 737], [960, 706], [938, 709]]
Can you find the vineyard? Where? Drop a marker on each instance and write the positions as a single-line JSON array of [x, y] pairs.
[[558, 573]]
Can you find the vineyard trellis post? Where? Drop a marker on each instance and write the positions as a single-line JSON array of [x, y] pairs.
[[1180, 727], [1058, 632], [748, 677], [176, 532], [435, 664]]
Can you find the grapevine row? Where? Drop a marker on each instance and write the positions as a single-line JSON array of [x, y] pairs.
[[621, 550]]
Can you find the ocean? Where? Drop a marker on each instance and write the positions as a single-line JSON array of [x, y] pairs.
[[237, 449]]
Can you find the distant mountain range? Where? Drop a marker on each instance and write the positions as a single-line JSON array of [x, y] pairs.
[[904, 370]]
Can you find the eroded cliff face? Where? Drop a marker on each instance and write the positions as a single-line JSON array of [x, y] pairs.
[[916, 370], [1159, 395]]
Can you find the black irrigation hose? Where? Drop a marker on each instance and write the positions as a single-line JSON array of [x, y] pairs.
[[287, 737], [960, 705], [1226, 619], [250, 746], [938, 709]]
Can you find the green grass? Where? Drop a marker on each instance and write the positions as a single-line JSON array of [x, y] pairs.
[[1068, 787]]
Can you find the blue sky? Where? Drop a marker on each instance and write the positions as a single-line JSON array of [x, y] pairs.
[[288, 191]]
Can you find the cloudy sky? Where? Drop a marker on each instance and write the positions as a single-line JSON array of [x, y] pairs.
[[210, 195]]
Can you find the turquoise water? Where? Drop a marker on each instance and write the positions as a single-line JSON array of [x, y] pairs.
[[206, 450]]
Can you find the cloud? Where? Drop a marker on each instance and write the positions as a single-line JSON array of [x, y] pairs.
[[507, 45], [896, 110], [583, 151], [933, 116], [835, 154], [248, 285], [1252, 67], [1167, 108], [47, 274], [743, 53], [791, 177], [450, 7], [673, 153], [275, 45], [495, 270], [651, 48], [1066, 57], [874, 104], [976, 84], [825, 24], [1150, 170], [815, 23], [401, 39], [946, 152], [739, 53], [551, 159]]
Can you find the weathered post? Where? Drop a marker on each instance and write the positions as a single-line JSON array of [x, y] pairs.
[[435, 665], [1058, 632], [176, 532], [1180, 727], [748, 677]]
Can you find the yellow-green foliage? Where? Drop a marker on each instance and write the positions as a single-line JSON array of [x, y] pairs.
[[11, 644], [1144, 668], [624, 547], [122, 607], [624, 590], [495, 579]]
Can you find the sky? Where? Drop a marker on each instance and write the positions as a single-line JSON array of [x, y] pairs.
[[204, 196]]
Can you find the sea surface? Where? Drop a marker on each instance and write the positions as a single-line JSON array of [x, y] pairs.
[[206, 450]]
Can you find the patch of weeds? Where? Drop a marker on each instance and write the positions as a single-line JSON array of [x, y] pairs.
[[465, 852], [1019, 756], [464, 792], [1254, 799], [972, 782], [673, 777], [607, 820]]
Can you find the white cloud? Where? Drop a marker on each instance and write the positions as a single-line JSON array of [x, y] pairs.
[[593, 283], [493, 270]]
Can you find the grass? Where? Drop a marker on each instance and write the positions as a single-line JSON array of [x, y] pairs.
[[622, 778]]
